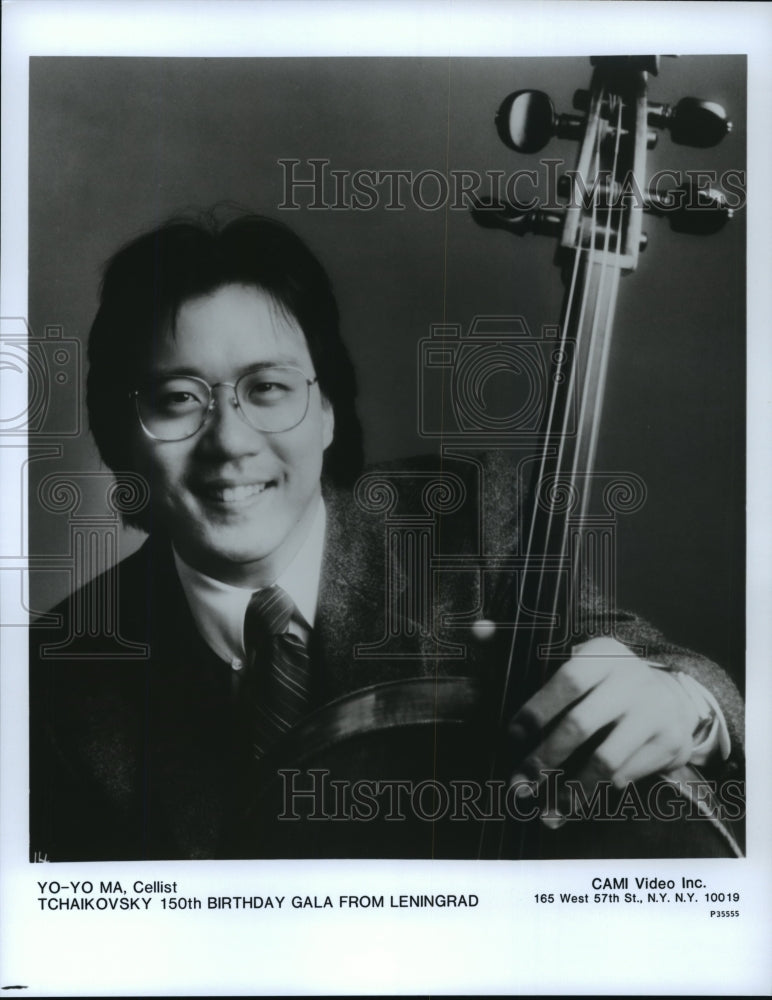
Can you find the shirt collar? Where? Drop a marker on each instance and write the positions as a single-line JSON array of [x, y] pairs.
[[218, 608]]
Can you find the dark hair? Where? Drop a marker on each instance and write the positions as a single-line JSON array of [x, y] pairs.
[[149, 279]]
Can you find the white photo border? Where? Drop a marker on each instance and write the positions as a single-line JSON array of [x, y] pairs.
[[506, 946]]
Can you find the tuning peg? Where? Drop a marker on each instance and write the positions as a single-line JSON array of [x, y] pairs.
[[692, 122], [691, 209], [514, 219], [526, 121]]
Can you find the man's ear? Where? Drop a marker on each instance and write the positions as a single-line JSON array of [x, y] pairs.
[[328, 423]]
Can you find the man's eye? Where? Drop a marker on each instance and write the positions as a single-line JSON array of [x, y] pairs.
[[264, 391], [177, 400]]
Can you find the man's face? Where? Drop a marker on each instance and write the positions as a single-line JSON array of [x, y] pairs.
[[237, 502]]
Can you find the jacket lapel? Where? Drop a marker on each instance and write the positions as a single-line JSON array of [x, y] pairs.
[[353, 608]]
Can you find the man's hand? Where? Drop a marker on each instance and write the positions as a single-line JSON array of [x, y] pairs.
[[649, 718]]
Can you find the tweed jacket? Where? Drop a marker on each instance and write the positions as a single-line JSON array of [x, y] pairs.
[[133, 750]]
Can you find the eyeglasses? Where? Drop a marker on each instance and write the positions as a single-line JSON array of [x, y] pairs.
[[270, 399]]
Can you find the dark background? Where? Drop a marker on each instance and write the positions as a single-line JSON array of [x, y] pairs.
[[118, 144]]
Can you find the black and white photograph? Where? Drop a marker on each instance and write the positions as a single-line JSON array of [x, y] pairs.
[[382, 563]]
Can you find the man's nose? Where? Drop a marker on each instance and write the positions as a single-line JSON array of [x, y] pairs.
[[226, 428]]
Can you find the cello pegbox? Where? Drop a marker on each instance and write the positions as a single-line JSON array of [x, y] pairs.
[[527, 120]]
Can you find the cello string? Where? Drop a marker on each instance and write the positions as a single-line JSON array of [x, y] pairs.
[[594, 375], [610, 270], [537, 477], [586, 259], [581, 336], [530, 542], [531, 556]]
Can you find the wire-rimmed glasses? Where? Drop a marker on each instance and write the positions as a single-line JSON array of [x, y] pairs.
[[271, 398]]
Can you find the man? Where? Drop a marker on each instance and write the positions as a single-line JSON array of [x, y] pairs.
[[217, 373]]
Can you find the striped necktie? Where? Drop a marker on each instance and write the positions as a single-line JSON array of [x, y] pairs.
[[277, 688]]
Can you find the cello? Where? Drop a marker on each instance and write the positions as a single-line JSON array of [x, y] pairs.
[[431, 732]]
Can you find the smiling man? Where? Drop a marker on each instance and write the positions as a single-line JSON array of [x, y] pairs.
[[218, 374], [236, 472]]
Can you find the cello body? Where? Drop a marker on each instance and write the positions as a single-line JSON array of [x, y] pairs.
[[396, 771]]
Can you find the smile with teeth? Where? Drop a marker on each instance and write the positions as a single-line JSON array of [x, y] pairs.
[[237, 494]]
